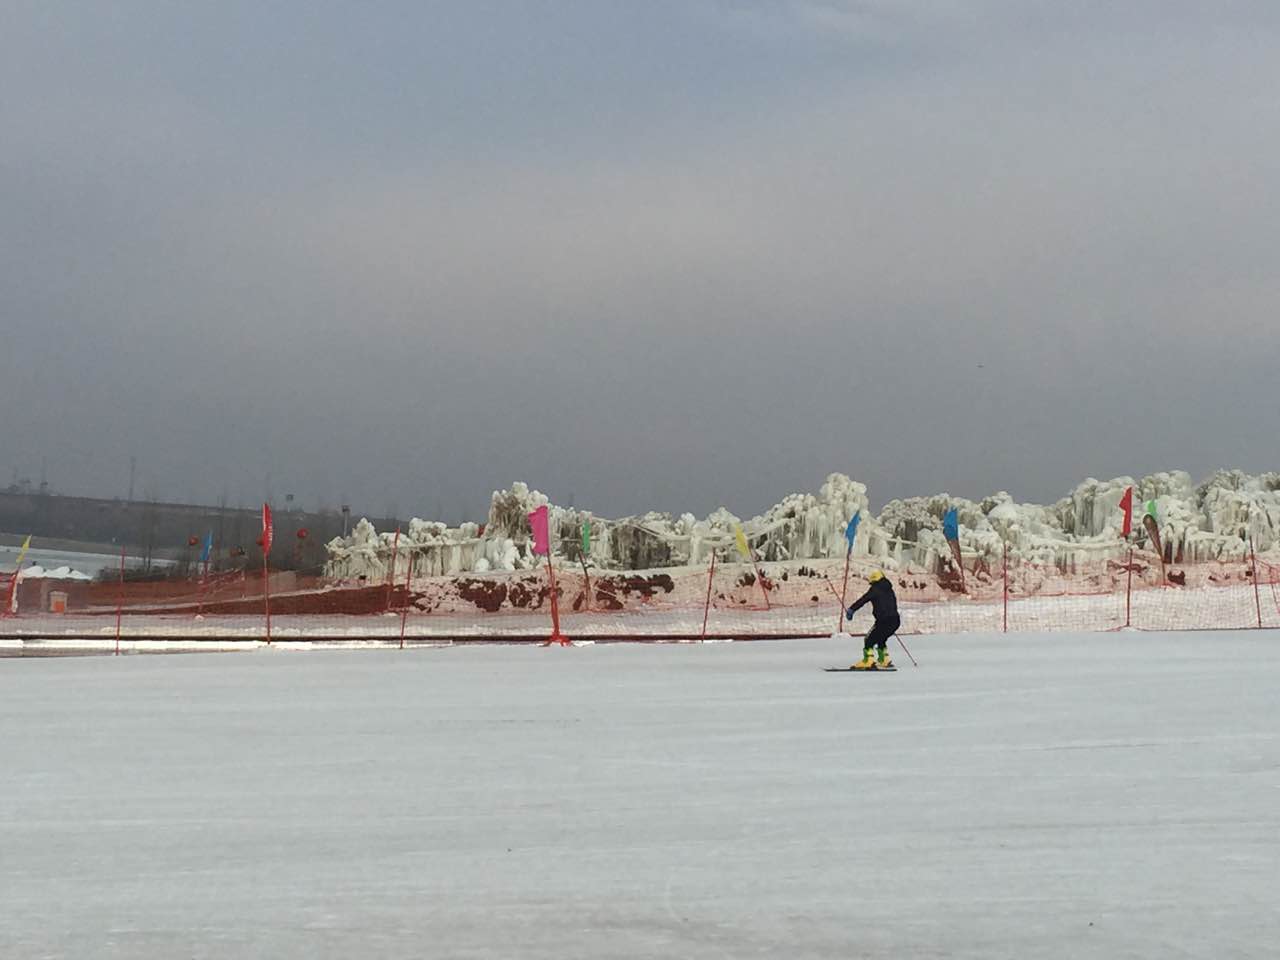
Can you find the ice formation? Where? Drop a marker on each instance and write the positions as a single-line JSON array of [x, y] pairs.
[[1216, 520]]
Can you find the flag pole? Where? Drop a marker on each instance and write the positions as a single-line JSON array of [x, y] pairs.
[[404, 614], [711, 574], [749, 555], [586, 552], [391, 573], [267, 535], [205, 551], [760, 576], [120, 601], [204, 581], [541, 533], [13, 584], [266, 594], [1257, 598], [844, 592], [1005, 574], [556, 635]]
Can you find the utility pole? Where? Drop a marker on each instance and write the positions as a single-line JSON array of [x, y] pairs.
[[133, 469]]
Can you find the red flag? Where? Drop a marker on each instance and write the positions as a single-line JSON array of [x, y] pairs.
[[538, 525], [1126, 504], [267, 530]]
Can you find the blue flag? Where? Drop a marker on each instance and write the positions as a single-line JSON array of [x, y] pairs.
[[951, 525], [851, 531], [207, 548]]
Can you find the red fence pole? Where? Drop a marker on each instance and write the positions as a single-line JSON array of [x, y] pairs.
[[266, 594], [204, 580], [119, 601], [707, 609], [391, 571], [404, 614], [844, 591], [1128, 593], [556, 635], [763, 588], [1006, 588], [1257, 600]]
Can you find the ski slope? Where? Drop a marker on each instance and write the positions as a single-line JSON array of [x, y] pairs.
[[1017, 796]]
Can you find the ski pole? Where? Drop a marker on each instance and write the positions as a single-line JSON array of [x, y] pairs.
[[905, 650]]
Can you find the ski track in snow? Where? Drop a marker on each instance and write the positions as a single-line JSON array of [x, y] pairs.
[[1020, 796]]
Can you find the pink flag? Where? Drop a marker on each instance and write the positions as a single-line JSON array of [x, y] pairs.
[[538, 523], [267, 530]]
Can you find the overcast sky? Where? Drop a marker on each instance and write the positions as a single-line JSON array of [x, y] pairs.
[[647, 255]]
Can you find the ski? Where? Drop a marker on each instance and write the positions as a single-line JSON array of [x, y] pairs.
[[854, 670]]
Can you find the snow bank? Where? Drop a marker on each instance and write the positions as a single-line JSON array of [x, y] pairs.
[[37, 572]]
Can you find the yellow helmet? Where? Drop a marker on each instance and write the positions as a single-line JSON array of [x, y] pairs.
[[875, 575]]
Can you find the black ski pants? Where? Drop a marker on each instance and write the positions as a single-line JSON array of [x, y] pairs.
[[881, 631]]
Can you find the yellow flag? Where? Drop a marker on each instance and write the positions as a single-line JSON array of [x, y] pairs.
[[742, 541], [23, 552]]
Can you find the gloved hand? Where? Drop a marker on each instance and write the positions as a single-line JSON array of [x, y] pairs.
[[848, 614]]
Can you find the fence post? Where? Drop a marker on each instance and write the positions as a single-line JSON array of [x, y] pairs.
[[1257, 599], [844, 591], [391, 572], [204, 581], [404, 614], [556, 635], [120, 602], [706, 610], [266, 593], [1128, 593], [763, 589], [1006, 588]]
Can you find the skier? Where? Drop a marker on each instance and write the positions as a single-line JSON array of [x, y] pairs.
[[884, 605]]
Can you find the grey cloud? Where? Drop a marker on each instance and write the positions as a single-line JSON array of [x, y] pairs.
[[703, 297]]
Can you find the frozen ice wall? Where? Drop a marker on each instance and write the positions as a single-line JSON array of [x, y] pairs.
[[801, 526], [1212, 521]]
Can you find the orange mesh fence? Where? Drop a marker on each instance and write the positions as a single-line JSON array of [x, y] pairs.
[[1269, 589], [728, 601]]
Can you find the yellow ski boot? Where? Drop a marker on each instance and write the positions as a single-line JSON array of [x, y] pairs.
[[884, 663], [868, 661]]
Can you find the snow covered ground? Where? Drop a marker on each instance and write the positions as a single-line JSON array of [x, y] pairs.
[[90, 564], [1020, 796]]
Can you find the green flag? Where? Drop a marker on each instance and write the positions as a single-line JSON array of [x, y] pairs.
[[1151, 509], [586, 538]]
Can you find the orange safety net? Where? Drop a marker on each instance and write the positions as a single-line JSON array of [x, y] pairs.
[[731, 600]]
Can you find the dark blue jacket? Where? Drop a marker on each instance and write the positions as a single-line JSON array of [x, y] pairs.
[[884, 604]]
